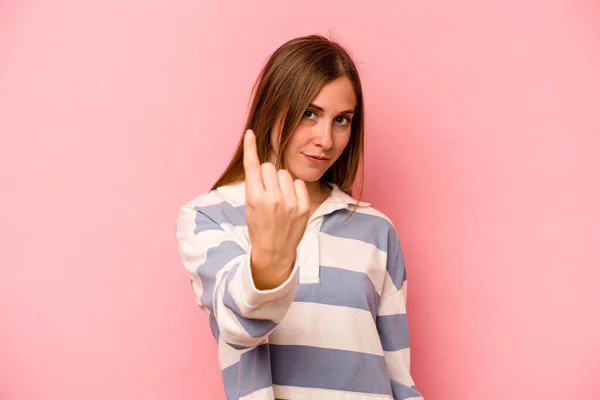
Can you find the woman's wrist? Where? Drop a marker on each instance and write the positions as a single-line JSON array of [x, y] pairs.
[[270, 270]]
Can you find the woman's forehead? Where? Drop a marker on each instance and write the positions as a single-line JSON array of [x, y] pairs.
[[337, 96]]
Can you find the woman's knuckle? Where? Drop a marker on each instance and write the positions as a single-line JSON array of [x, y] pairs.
[[291, 206], [275, 199], [303, 211]]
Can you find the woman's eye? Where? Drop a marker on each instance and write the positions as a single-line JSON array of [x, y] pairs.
[[307, 114], [343, 120]]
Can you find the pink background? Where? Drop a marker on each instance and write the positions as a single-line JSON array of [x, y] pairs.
[[482, 145]]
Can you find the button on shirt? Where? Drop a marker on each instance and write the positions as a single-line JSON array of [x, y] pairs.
[[335, 329]]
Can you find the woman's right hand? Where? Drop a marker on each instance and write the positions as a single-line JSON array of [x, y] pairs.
[[277, 211]]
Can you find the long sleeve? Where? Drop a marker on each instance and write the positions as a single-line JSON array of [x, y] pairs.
[[219, 269], [392, 324]]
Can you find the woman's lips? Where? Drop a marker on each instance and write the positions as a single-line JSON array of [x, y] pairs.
[[316, 159]]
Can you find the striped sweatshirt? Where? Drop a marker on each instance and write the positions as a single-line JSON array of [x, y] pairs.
[[335, 329]]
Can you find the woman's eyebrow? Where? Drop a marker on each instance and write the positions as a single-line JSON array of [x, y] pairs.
[[312, 105]]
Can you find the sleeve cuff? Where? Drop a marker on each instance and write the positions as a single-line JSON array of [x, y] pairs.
[[253, 297]]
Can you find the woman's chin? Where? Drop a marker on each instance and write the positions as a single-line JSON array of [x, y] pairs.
[[308, 177]]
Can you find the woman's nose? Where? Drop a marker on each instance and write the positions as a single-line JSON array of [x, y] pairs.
[[323, 135]]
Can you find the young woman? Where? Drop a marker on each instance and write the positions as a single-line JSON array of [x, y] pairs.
[[304, 285]]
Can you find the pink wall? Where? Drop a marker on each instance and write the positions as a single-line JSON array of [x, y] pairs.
[[483, 146]]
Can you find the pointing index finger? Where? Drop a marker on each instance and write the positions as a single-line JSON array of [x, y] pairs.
[[252, 163]]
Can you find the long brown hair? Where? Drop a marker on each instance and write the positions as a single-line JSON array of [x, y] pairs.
[[293, 75]]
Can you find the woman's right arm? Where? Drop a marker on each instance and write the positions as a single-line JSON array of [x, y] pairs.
[[248, 293], [222, 280]]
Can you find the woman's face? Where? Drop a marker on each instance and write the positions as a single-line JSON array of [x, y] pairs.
[[323, 131]]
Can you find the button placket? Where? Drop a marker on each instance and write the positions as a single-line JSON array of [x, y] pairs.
[[311, 266], [309, 269]]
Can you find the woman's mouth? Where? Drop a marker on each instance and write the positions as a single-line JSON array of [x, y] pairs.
[[316, 159]]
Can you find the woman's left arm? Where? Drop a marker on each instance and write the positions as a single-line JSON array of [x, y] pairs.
[[392, 324]]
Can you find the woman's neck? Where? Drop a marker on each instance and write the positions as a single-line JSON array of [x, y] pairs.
[[317, 192]]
